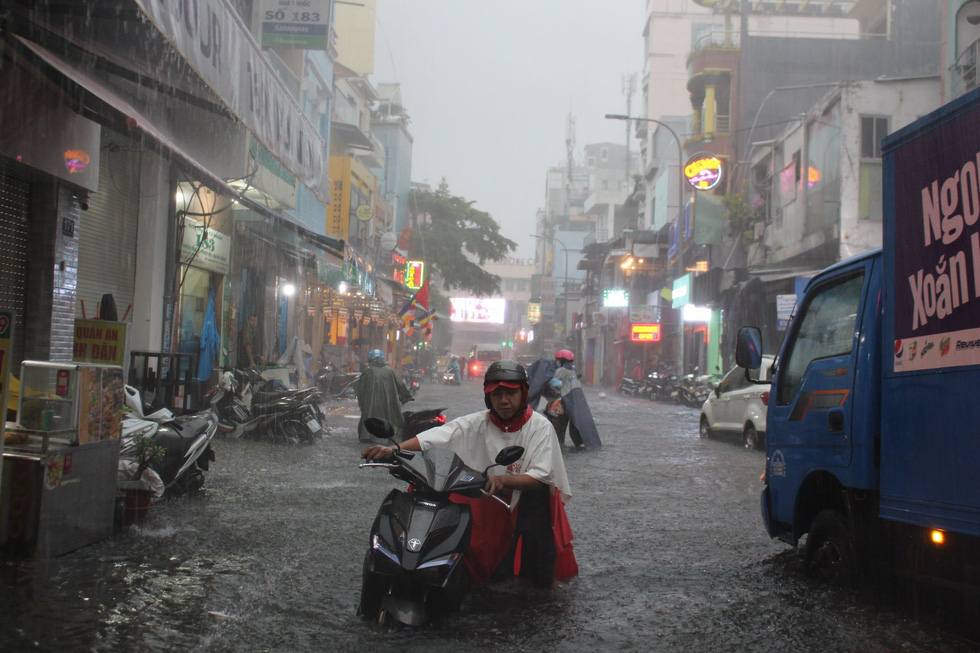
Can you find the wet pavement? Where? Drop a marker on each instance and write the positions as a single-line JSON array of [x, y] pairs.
[[672, 552]]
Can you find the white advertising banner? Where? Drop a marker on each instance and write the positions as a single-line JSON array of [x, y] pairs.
[[214, 41]]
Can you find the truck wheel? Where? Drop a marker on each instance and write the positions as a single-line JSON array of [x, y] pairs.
[[704, 431], [750, 437], [830, 556]]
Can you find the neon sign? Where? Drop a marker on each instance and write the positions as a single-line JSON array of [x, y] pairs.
[[645, 332], [414, 273], [76, 160], [703, 171]]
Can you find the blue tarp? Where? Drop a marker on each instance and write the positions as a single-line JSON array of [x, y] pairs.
[[210, 341]]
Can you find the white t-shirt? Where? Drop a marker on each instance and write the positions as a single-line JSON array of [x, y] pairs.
[[477, 440]]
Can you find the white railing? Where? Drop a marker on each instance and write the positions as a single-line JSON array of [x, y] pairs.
[[963, 72]]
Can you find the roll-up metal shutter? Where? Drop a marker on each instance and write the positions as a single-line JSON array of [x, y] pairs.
[[107, 233], [15, 197]]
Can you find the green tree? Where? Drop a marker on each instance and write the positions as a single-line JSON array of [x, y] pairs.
[[456, 239]]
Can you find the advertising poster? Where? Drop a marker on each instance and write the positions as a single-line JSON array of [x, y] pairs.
[[100, 398], [937, 232]]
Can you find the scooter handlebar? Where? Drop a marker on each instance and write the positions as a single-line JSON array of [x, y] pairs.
[[495, 497]]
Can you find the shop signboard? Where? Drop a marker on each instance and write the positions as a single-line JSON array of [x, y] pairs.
[[645, 332], [615, 298], [479, 310], [703, 171], [643, 314], [681, 294], [292, 24], [533, 312], [784, 310], [204, 247], [236, 69], [547, 296], [100, 342], [414, 274]]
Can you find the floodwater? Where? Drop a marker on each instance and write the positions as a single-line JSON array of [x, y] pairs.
[[668, 537]]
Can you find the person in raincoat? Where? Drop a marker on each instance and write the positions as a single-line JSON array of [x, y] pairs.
[[539, 373], [581, 425], [380, 393]]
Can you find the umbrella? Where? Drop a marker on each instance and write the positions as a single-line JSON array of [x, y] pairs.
[[210, 341]]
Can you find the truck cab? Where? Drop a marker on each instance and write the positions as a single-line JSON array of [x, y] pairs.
[[820, 436]]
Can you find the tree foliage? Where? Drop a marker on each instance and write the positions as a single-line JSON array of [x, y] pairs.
[[456, 239]]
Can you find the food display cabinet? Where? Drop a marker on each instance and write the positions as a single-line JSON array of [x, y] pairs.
[[60, 458]]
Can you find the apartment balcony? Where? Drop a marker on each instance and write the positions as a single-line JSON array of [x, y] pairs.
[[962, 75], [786, 7], [375, 158]]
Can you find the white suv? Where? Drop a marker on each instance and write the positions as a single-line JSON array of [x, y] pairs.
[[738, 406]]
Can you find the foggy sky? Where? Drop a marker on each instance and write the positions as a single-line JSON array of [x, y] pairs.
[[488, 85]]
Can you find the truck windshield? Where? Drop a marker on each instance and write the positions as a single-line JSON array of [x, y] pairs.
[[826, 328]]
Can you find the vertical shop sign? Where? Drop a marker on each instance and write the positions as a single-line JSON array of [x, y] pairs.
[[414, 273]]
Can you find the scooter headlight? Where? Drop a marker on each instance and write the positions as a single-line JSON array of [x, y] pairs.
[[378, 545]]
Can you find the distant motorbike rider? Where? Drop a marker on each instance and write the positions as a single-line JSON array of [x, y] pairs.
[[582, 428], [380, 393], [537, 483], [453, 368]]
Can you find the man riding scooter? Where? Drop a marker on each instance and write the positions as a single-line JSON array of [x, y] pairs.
[[537, 484]]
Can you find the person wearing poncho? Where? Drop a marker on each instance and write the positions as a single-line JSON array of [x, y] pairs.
[[380, 393]]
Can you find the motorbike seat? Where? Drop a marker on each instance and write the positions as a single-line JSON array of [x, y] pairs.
[[190, 426]]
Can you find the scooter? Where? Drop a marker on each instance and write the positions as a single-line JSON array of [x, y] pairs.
[[186, 441], [293, 417], [335, 384], [630, 387], [421, 420], [230, 400], [413, 569]]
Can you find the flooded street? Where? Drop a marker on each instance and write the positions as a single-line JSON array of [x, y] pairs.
[[668, 537]]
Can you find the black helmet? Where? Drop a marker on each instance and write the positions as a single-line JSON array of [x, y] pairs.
[[506, 372], [510, 374]]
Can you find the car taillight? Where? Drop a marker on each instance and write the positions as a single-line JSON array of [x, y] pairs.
[[474, 368], [441, 419], [765, 398]]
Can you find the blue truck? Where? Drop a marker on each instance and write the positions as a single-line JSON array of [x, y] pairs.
[[873, 425]]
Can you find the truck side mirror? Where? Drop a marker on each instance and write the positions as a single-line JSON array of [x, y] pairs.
[[748, 347]]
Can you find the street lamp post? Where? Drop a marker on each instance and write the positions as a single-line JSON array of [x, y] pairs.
[[564, 283], [680, 213]]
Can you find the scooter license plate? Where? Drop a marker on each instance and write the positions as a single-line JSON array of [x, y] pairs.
[[313, 425]]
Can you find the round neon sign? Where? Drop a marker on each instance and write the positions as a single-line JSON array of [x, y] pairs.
[[703, 171]]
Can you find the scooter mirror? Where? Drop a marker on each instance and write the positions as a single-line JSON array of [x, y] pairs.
[[509, 455], [379, 428]]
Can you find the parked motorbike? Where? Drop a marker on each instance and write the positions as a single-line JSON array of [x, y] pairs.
[[690, 393], [186, 441], [413, 569], [335, 384], [630, 387], [293, 417], [662, 386], [230, 400]]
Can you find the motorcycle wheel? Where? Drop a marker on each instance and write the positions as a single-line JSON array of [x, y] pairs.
[[296, 431], [190, 483]]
